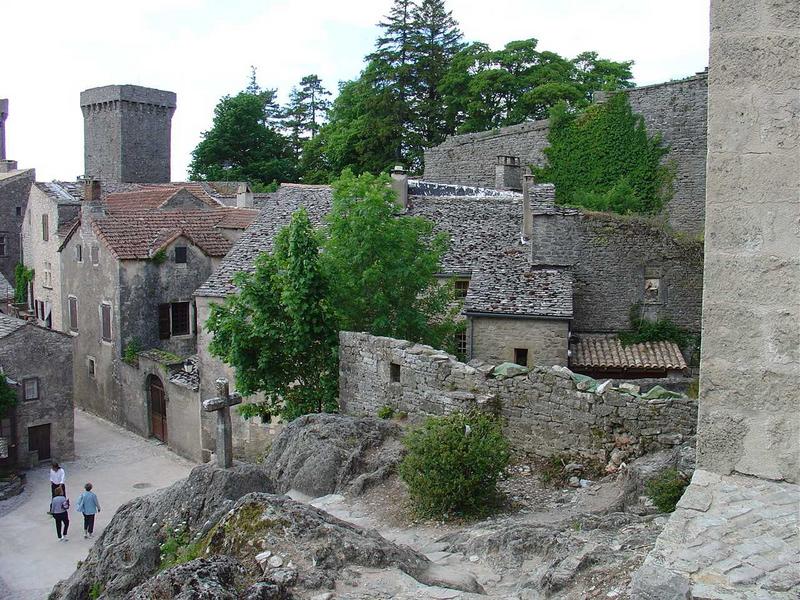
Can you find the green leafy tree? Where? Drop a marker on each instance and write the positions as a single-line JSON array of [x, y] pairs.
[[8, 396], [243, 143], [603, 159], [278, 332], [384, 266]]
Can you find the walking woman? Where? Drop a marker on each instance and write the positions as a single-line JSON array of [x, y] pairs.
[[89, 505], [57, 478], [59, 506]]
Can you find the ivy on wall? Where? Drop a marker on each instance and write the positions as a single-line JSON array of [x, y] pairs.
[[603, 159], [22, 277]]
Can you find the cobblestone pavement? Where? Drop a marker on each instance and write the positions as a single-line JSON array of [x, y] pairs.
[[730, 537], [120, 464]]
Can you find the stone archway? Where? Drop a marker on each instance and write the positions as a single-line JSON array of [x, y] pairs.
[[158, 407]]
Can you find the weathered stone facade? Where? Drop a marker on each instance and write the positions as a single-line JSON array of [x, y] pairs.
[[611, 257], [127, 133], [544, 412], [14, 189], [29, 352], [494, 339], [677, 110]]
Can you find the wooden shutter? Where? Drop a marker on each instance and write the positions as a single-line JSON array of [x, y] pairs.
[[106, 322], [73, 313], [45, 228], [164, 328]]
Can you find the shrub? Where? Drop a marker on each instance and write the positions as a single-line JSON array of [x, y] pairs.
[[385, 412], [177, 550], [453, 465], [666, 489], [131, 352], [96, 590], [8, 396], [22, 277]]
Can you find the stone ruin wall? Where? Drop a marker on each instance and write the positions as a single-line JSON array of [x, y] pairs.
[[544, 412], [610, 257], [675, 109]]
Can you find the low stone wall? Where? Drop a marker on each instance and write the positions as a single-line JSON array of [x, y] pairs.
[[544, 412]]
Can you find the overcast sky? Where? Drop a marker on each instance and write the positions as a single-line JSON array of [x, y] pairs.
[[203, 49]]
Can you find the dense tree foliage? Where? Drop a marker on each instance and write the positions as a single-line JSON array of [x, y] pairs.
[[420, 84], [367, 269], [278, 332], [603, 159]]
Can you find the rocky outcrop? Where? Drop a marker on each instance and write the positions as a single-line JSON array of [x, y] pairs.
[[325, 454], [128, 551]]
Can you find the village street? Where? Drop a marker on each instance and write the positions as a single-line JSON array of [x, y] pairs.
[[120, 465]]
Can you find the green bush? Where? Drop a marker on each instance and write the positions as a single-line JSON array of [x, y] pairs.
[[131, 353], [96, 590], [662, 330], [385, 412], [453, 465], [666, 489]]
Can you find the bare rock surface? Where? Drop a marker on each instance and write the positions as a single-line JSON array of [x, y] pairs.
[[128, 552], [324, 454]]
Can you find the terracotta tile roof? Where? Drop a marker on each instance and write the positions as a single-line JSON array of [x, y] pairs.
[[156, 196], [237, 218], [602, 351], [516, 289], [133, 235]]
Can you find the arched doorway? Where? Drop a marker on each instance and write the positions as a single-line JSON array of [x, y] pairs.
[[158, 408]]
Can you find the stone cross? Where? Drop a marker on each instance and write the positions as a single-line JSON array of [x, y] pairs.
[[222, 405]]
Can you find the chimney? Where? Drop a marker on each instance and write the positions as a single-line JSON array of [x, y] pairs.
[[244, 196], [400, 186], [528, 182], [91, 189], [507, 173]]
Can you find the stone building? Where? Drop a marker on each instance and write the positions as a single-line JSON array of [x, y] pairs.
[[735, 531], [40, 427], [127, 133], [130, 265], [675, 109], [15, 184]]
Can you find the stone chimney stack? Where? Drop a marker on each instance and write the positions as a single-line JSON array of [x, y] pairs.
[[3, 115], [244, 196], [91, 190], [507, 173], [400, 186], [126, 131], [528, 182]]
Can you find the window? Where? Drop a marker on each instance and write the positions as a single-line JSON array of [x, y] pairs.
[[174, 319], [3, 239], [95, 254], [394, 372], [90, 366], [79, 253], [180, 255], [45, 228], [73, 313], [461, 343], [30, 388], [521, 357], [652, 290], [19, 211], [462, 285], [47, 278], [105, 321]]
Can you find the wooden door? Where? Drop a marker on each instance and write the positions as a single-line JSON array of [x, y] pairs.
[[158, 409], [39, 440]]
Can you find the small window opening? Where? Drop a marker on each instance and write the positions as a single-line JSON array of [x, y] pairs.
[[462, 285], [180, 255], [521, 357], [394, 373]]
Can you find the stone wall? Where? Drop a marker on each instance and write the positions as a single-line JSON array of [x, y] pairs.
[[34, 352], [750, 362], [494, 339], [14, 190], [675, 109], [544, 412], [610, 257]]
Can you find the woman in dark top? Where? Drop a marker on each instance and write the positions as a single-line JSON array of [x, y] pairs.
[[59, 506]]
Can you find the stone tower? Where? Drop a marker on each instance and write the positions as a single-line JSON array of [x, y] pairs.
[[126, 131]]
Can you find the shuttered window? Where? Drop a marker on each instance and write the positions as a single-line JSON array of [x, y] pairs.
[[45, 228], [73, 313], [163, 321], [105, 318], [180, 318]]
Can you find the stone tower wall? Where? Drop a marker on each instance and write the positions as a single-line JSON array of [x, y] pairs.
[[676, 109], [127, 133]]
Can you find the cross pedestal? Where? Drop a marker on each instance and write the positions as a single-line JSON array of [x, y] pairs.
[[222, 406]]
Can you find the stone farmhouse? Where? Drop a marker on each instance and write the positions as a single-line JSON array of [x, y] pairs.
[[33, 360]]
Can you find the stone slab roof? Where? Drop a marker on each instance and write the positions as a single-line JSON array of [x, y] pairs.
[[516, 290], [57, 193], [137, 235], [276, 213], [603, 351], [6, 289], [9, 325], [188, 379]]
